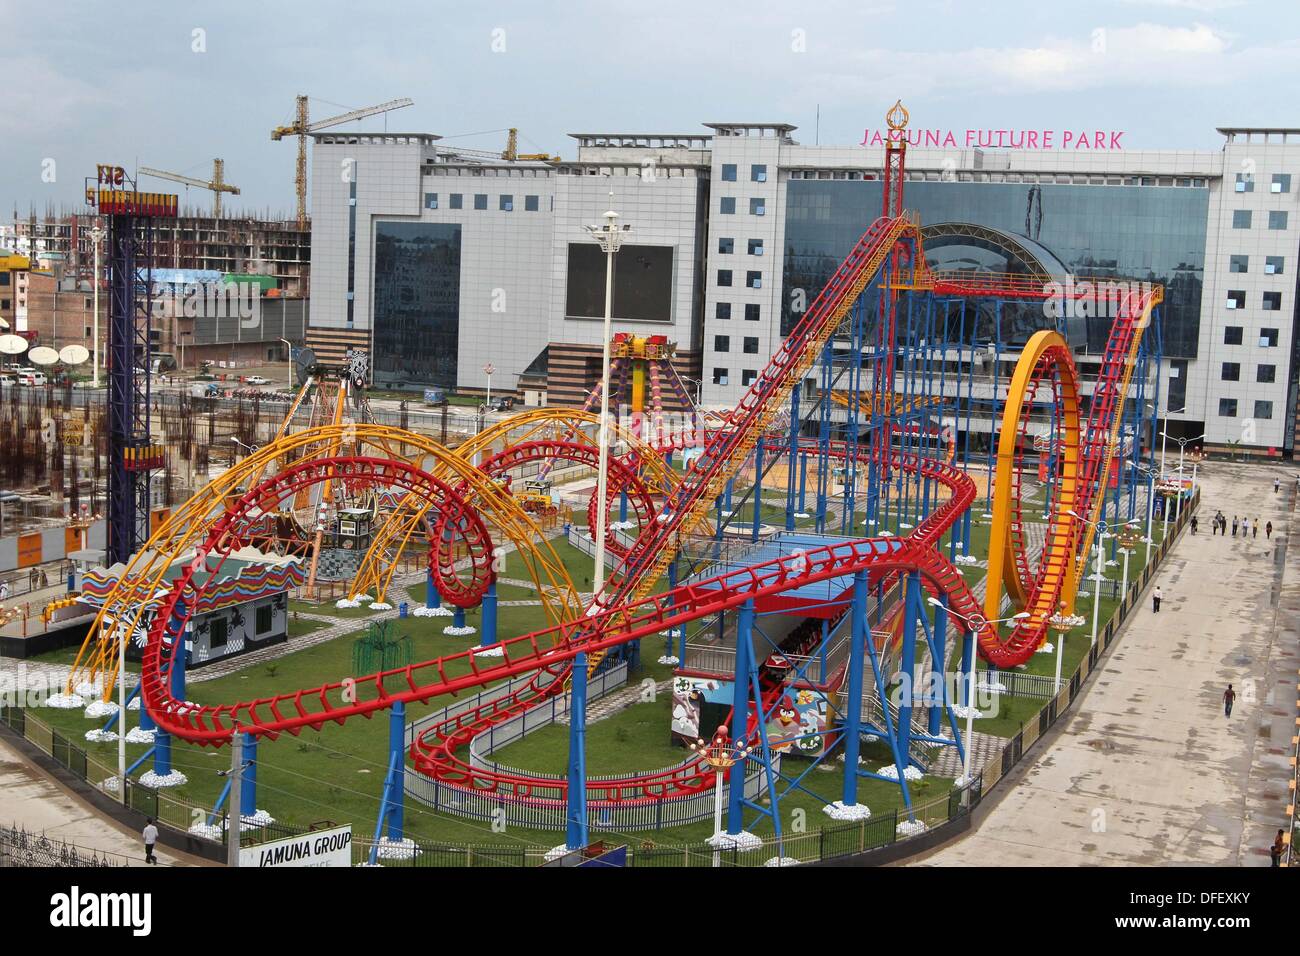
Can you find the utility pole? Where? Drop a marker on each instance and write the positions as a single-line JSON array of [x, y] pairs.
[[236, 774]]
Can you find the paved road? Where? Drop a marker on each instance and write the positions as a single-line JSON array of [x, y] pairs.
[[35, 802], [1146, 770]]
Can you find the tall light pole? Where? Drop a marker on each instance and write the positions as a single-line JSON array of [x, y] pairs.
[[1182, 445], [1062, 623], [1098, 575], [488, 369], [721, 756], [96, 234], [288, 361], [121, 707], [610, 236], [1128, 537], [974, 624]]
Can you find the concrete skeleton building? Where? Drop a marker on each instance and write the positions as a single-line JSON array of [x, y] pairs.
[[488, 259]]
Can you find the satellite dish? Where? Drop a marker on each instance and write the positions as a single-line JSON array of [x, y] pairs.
[[305, 364], [43, 355], [12, 344], [73, 354]]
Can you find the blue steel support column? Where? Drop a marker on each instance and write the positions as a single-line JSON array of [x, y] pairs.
[[458, 617], [803, 482], [248, 777], [432, 598], [726, 502], [490, 615], [910, 609], [824, 439], [397, 749], [622, 505], [740, 712], [576, 829], [853, 705], [758, 488], [792, 457], [938, 670]]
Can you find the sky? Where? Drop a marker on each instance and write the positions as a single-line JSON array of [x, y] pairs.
[[174, 84]]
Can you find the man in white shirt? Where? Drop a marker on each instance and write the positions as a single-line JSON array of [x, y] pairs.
[[1156, 595], [150, 838]]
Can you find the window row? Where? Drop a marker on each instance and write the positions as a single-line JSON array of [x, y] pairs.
[[1242, 218], [757, 173], [722, 343], [752, 311], [753, 280], [1234, 334], [1231, 372], [722, 376], [1273, 265], [727, 246], [1281, 183], [1228, 408], [505, 201], [757, 206], [1270, 302]]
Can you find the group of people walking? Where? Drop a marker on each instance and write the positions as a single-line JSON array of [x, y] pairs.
[[1249, 527]]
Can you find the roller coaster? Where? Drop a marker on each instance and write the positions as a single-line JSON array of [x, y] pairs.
[[459, 504]]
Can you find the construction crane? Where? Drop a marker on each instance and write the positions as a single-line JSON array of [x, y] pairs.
[[512, 151], [217, 183], [301, 126]]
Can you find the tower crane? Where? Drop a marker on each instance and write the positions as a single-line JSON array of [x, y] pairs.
[[217, 183], [302, 125]]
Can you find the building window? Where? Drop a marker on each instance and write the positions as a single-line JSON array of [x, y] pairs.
[[754, 280], [1239, 264], [727, 205], [1241, 219], [1236, 298], [265, 616], [506, 203], [480, 200], [430, 200], [1227, 408], [530, 204], [758, 207], [218, 632], [726, 246], [1231, 372], [1232, 335], [1268, 338], [1273, 265], [1272, 301], [1281, 183], [728, 172], [1263, 409], [1245, 183], [758, 174], [756, 247], [722, 343], [724, 277], [751, 344], [752, 311], [720, 376], [747, 376], [723, 310], [457, 201], [1265, 373], [1277, 219]]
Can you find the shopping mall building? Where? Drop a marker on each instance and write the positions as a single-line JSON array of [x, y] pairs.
[[442, 262]]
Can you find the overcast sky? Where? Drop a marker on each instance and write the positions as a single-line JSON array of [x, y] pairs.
[[174, 84]]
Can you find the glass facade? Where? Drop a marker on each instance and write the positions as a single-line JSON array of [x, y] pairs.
[[1148, 233], [417, 302]]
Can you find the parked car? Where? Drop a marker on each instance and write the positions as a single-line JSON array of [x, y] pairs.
[[257, 380], [31, 376], [7, 379]]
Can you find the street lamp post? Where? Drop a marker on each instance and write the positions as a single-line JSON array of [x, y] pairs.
[[610, 237], [974, 623], [1182, 445], [96, 234], [1128, 538], [721, 756], [1062, 624], [488, 369]]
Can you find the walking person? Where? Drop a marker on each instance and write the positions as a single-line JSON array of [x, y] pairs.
[[1254, 531], [1234, 526], [1268, 530], [150, 838], [1277, 849], [1156, 597], [1277, 485], [1194, 524], [1229, 696], [4, 591]]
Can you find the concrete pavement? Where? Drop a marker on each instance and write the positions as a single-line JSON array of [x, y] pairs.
[[1145, 769]]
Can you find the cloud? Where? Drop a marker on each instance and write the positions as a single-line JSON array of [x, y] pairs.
[[1200, 6]]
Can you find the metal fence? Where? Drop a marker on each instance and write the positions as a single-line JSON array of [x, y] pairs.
[[20, 848]]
